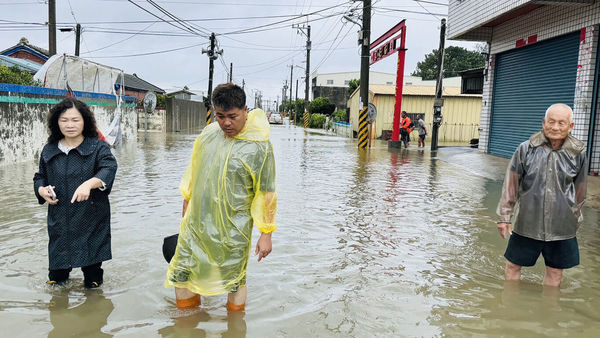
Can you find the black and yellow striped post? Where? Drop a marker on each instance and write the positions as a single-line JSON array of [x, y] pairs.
[[306, 119], [363, 128], [208, 116]]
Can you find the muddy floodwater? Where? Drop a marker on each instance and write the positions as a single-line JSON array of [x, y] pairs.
[[370, 244]]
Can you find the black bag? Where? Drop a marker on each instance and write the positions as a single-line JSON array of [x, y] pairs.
[[169, 246]]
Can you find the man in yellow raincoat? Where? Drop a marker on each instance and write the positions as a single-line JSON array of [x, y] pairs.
[[228, 187]]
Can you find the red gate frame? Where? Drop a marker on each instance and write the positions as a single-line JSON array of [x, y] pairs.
[[387, 49]]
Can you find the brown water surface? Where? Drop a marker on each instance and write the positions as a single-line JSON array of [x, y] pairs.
[[374, 243]]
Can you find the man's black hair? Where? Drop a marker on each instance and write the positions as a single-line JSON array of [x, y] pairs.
[[89, 122], [228, 96]]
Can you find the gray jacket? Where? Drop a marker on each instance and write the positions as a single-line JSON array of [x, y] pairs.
[[545, 189]]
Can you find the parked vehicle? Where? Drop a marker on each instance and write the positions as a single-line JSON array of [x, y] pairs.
[[275, 118]]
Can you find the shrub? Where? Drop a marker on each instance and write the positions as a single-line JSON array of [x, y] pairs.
[[317, 120], [339, 115]]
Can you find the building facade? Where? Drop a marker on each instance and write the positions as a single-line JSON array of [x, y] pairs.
[[541, 52], [461, 111], [334, 86], [25, 50]]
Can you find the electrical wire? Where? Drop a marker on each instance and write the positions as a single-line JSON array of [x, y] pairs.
[[148, 53], [256, 28]]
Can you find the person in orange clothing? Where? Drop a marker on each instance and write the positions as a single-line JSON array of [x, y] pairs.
[[405, 129]]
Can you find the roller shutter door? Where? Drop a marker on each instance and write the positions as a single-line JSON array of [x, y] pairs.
[[527, 81]]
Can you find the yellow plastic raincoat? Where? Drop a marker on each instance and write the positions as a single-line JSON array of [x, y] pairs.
[[230, 187]]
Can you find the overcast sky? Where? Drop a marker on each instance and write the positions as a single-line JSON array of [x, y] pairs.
[[113, 35]]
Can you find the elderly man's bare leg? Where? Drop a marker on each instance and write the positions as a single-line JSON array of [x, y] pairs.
[[553, 276], [186, 298], [512, 271], [236, 301]]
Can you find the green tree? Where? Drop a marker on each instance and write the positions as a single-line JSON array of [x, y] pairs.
[[354, 83], [321, 105], [456, 59], [161, 100], [15, 75], [299, 106]]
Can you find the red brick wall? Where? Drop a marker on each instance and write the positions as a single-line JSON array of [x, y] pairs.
[[27, 56]]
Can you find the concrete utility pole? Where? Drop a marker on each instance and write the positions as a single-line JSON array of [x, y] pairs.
[[291, 81], [77, 38], [231, 72], [363, 126], [307, 84], [52, 27], [212, 56], [438, 102]]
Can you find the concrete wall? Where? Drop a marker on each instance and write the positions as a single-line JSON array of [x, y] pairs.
[[184, 116], [336, 95], [156, 121], [23, 115]]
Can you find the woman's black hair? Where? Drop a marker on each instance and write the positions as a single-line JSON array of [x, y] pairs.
[[89, 121]]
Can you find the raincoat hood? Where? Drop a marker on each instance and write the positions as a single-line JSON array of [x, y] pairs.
[[257, 127]]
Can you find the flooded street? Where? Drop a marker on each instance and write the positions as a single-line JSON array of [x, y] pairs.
[[374, 243]]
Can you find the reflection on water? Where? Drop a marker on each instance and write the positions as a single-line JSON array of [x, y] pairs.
[[370, 243], [85, 319], [189, 325]]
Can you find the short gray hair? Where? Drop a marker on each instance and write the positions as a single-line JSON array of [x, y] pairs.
[[560, 105]]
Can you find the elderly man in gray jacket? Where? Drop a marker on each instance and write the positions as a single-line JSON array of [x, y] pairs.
[[544, 188]]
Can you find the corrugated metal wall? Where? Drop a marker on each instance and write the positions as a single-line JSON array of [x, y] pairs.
[[527, 81], [461, 115]]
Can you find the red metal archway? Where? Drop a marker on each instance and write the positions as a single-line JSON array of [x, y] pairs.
[[387, 47]]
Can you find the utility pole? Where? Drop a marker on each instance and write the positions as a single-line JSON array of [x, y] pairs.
[[231, 72], [307, 79], [77, 38], [291, 81], [363, 129], [296, 89], [243, 83], [52, 27], [438, 102], [212, 56]]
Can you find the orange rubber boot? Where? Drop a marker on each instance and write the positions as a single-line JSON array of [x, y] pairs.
[[233, 307], [188, 302]]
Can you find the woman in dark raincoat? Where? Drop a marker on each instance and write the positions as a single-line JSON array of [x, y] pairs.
[[75, 176]]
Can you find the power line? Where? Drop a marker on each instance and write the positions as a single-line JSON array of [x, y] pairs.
[[154, 15], [148, 53], [430, 2], [419, 3], [408, 11], [256, 28], [192, 27], [127, 38]]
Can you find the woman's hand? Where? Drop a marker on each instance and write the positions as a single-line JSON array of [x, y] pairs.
[[82, 193], [46, 193]]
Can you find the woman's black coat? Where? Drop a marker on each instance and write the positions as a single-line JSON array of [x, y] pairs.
[[80, 231]]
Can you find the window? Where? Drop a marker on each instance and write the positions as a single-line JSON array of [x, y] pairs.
[[329, 81], [346, 82], [389, 83]]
